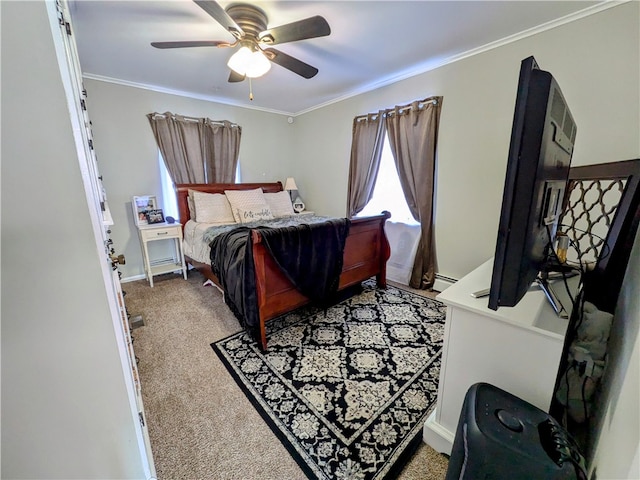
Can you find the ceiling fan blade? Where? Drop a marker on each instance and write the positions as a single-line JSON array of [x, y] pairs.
[[196, 43], [311, 27], [290, 63], [235, 77], [219, 15]]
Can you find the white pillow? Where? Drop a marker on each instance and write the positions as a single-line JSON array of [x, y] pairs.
[[280, 204], [191, 207], [212, 208], [245, 200], [252, 214]]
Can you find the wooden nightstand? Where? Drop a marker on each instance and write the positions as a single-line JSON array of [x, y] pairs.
[[162, 231]]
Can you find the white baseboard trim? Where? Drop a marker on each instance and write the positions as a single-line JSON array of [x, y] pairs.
[[436, 436], [142, 276], [441, 283]]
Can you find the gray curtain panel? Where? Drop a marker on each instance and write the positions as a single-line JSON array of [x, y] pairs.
[[366, 151], [222, 148], [413, 135], [197, 150]]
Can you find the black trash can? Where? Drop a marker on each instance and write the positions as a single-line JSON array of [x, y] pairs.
[[500, 436]]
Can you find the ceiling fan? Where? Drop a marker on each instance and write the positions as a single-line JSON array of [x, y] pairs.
[[248, 25]]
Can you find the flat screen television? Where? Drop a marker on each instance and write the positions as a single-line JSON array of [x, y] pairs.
[[542, 138]]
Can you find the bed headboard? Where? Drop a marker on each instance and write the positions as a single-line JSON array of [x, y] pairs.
[[182, 192]]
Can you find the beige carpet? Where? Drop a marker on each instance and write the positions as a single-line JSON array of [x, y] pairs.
[[201, 424]]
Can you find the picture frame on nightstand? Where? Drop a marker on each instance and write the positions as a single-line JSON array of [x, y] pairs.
[[154, 216], [142, 204]]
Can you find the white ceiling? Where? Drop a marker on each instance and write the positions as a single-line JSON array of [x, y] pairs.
[[372, 43]]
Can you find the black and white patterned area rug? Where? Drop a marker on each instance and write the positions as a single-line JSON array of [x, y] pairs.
[[347, 389]]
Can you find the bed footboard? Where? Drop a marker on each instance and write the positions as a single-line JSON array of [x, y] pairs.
[[366, 253]]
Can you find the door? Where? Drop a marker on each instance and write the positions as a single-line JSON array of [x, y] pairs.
[[68, 61]]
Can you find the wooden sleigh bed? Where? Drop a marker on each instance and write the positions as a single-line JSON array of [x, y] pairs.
[[365, 255]]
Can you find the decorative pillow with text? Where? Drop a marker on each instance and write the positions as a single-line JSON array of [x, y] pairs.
[[253, 214], [246, 200]]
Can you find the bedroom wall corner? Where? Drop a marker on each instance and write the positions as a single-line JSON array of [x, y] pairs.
[[128, 154], [598, 68]]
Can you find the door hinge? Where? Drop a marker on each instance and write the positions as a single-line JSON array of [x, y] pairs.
[[63, 22], [60, 13], [141, 417]]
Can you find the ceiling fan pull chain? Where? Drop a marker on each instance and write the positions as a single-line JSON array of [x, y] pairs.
[[250, 90]]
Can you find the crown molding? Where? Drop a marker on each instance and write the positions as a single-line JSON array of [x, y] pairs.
[[417, 70], [180, 93]]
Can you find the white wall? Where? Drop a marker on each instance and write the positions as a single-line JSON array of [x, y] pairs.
[[65, 412]]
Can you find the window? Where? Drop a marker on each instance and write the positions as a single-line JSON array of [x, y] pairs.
[[387, 193], [169, 200]]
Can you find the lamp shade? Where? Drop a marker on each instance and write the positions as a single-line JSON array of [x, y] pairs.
[[290, 184], [249, 63]]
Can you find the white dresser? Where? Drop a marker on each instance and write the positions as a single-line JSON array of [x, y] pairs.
[[516, 348]]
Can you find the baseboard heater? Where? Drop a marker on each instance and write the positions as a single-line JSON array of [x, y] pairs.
[[442, 282], [153, 263], [162, 261]]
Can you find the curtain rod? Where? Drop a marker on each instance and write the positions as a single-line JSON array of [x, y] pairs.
[[400, 109], [191, 119]]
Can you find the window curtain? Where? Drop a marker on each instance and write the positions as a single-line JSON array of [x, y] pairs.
[[413, 134], [197, 150], [222, 150], [366, 151]]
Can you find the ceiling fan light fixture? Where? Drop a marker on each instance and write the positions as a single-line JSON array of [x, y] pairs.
[[251, 63]]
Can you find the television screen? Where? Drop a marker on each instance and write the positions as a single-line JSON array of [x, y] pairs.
[[542, 138]]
